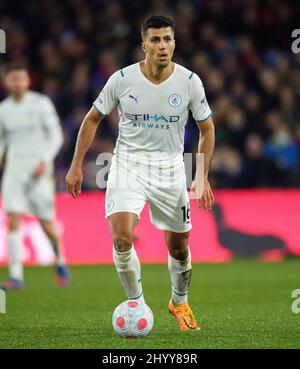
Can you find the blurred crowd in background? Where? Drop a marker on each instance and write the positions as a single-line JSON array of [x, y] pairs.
[[240, 49]]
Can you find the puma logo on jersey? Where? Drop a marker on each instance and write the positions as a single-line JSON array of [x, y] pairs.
[[134, 98]]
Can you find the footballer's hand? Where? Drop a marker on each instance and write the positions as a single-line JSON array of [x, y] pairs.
[[74, 180], [39, 170], [205, 198]]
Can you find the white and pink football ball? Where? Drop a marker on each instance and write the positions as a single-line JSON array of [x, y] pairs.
[[132, 319]]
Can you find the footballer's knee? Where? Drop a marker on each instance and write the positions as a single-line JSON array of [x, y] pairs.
[[179, 254], [121, 228], [178, 244], [123, 243], [14, 221]]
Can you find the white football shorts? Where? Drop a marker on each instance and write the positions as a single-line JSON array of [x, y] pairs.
[[131, 186], [24, 195]]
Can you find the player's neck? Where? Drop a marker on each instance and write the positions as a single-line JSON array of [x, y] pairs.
[[18, 97], [156, 74]]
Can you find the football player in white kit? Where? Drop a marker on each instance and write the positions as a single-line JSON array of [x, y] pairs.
[[153, 98], [31, 136]]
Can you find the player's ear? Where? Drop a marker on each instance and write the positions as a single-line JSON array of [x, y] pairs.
[[143, 46]]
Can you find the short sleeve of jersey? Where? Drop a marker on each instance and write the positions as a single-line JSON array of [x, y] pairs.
[[108, 97], [198, 104]]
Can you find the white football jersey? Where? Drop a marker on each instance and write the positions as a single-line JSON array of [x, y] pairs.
[[152, 117], [30, 131]]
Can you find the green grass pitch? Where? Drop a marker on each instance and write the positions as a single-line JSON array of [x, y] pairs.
[[243, 304]]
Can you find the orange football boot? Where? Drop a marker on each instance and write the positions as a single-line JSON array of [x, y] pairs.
[[184, 315]]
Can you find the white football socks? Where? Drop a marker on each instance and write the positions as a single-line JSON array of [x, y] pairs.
[[15, 257], [180, 274], [129, 270]]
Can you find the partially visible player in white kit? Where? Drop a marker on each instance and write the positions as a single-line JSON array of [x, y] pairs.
[[31, 136], [153, 98]]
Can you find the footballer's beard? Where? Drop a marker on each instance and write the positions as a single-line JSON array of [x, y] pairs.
[[163, 63]]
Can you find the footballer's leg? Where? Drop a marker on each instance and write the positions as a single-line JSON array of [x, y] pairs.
[[125, 257], [16, 273], [62, 272], [180, 269]]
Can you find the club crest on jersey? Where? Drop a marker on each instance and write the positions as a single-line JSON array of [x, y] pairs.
[[110, 205], [175, 100]]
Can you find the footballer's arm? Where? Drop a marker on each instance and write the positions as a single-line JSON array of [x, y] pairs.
[[84, 140], [204, 196]]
